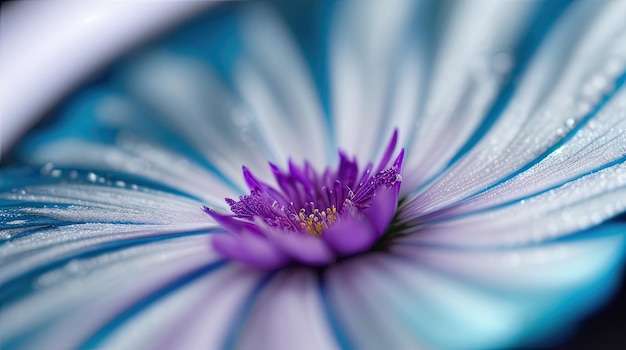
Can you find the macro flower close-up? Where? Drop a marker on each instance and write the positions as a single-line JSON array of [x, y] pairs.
[[319, 174]]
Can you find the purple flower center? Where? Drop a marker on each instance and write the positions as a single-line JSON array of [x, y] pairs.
[[311, 218]]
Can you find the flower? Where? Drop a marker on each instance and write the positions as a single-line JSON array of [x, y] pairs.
[[511, 117], [345, 212]]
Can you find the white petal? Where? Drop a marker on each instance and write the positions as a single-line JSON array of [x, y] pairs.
[[131, 156], [393, 301], [554, 266], [80, 203], [189, 98], [72, 301], [274, 81], [600, 142], [46, 222], [360, 310], [288, 314], [196, 317], [575, 206], [471, 63], [364, 37], [546, 105], [48, 246]]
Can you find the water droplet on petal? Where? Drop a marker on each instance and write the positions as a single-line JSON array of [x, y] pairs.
[[599, 82], [584, 108], [560, 131], [614, 67], [47, 168], [91, 177]]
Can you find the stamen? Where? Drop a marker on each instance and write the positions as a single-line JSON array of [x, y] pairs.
[[317, 202]]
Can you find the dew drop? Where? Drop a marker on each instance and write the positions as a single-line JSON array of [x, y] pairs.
[[55, 173], [73, 266], [596, 218], [614, 67], [570, 122], [599, 82], [584, 108], [91, 177], [47, 168], [16, 222], [592, 124]]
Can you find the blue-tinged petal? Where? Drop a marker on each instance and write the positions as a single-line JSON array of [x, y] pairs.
[[599, 144], [556, 266], [272, 78], [130, 157], [105, 130], [366, 38], [575, 206], [63, 304], [471, 64], [450, 299], [94, 203], [188, 97], [42, 247], [197, 316], [288, 314], [44, 225], [547, 109], [362, 318]]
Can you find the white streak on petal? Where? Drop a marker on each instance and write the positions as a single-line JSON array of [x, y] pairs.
[[600, 142], [360, 311], [416, 300], [556, 266], [105, 285], [470, 65], [190, 99], [44, 246], [364, 38], [575, 206], [135, 157], [292, 301], [196, 317], [273, 79], [545, 103], [93, 203]]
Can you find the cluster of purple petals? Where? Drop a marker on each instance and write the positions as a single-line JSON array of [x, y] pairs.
[[311, 218]]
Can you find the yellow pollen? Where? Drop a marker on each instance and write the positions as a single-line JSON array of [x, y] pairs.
[[317, 221]]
